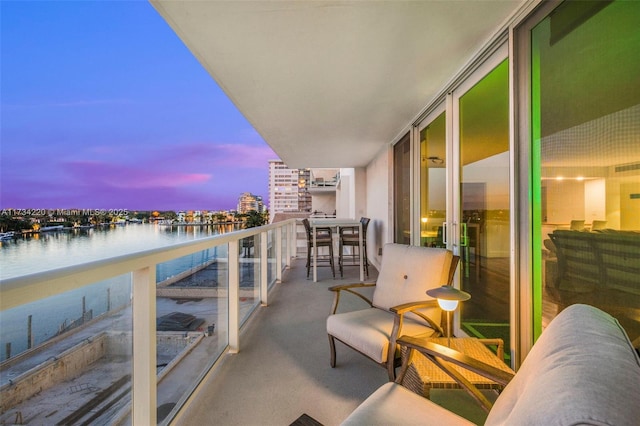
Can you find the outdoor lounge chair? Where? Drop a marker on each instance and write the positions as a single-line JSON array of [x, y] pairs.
[[399, 306]]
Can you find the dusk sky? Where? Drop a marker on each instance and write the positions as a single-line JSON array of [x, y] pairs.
[[103, 107]]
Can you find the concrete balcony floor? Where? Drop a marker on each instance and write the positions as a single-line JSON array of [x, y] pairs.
[[282, 370]]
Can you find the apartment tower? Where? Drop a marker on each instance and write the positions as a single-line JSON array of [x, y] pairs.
[[288, 188]]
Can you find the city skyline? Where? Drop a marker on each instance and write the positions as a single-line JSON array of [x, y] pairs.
[[103, 107]]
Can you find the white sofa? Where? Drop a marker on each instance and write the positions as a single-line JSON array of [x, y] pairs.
[[583, 370]]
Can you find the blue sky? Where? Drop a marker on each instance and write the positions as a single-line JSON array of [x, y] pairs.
[[104, 107]]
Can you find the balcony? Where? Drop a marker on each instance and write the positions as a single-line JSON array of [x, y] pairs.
[[324, 181], [266, 360]]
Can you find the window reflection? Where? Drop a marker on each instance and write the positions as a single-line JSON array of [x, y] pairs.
[[586, 116]]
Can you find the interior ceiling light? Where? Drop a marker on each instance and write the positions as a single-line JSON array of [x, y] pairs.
[[561, 178], [436, 160]]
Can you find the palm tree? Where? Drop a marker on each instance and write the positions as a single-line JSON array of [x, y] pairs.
[[254, 219]]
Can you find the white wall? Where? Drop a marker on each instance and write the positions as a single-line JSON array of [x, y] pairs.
[[565, 201], [379, 202], [351, 196], [595, 200], [494, 172], [613, 203], [438, 189], [325, 203], [360, 188], [343, 193], [629, 207]]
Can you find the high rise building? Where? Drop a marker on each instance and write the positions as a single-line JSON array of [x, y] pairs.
[[288, 188], [247, 202]]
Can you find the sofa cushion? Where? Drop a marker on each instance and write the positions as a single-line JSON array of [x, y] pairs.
[[392, 404], [407, 272], [369, 330], [582, 370]]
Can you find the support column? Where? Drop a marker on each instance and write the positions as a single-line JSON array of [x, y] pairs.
[[264, 268], [292, 246], [30, 332], [279, 255], [144, 400], [234, 297]]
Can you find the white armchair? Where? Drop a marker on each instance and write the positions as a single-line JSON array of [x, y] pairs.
[[399, 306]]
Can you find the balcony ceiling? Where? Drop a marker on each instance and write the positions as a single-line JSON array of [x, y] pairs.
[[329, 84]]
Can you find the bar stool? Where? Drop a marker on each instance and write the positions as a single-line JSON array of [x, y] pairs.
[[349, 237], [324, 238]]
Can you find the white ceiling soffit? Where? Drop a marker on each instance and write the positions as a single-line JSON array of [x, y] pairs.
[[328, 84]]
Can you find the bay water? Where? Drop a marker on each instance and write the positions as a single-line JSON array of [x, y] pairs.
[[53, 250]]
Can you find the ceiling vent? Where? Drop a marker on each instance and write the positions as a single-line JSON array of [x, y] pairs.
[[627, 168]]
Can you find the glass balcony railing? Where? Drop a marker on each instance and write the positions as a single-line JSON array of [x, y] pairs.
[[126, 340]]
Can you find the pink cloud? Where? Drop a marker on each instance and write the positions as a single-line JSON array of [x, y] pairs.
[[122, 176], [188, 176], [246, 156], [170, 180], [204, 155]]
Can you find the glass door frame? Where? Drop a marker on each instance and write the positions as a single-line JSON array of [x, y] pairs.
[[450, 106], [415, 136], [455, 173], [528, 303]]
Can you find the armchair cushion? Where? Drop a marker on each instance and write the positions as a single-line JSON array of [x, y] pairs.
[[406, 271], [368, 330], [393, 404]]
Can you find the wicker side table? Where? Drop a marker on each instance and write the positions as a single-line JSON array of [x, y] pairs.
[[422, 375]]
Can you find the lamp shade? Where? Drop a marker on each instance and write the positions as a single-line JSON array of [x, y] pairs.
[[447, 292], [448, 305], [448, 298]]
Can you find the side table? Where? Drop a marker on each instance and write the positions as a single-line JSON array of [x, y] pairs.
[[422, 374]]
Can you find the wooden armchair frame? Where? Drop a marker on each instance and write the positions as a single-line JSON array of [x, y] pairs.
[[399, 312]]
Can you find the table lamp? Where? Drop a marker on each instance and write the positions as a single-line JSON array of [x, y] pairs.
[[448, 298]]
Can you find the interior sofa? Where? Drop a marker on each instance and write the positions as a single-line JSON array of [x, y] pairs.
[[583, 370], [599, 268], [595, 260]]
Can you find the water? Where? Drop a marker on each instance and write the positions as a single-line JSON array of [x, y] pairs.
[[47, 251], [52, 250]]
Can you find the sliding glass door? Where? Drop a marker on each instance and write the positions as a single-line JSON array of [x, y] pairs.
[[402, 190], [585, 132], [465, 200], [481, 219], [433, 180]]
